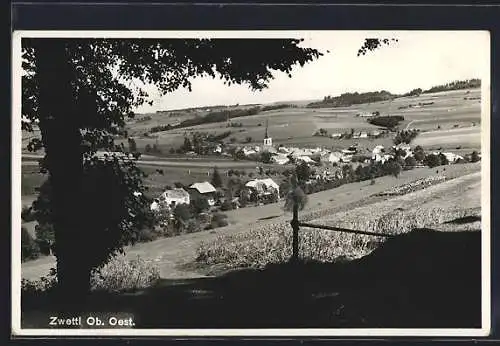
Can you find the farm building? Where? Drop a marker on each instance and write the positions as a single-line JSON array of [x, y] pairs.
[[175, 197], [204, 189], [331, 157], [336, 135], [264, 186], [363, 135], [375, 133], [451, 157]]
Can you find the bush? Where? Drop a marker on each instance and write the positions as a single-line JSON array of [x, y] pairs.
[[146, 235], [227, 205], [219, 220], [474, 156], [45, 237], [121, 274], [29, 247], [27, 214], [410, 162], [432, 160], [389, 122]]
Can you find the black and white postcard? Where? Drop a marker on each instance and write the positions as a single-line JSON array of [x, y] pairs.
[[251, 183]]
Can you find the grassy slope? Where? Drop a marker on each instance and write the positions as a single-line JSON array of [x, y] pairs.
[[171, 252]]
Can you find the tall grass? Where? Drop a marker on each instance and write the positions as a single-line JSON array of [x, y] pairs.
[[272, 243], [120, 274]]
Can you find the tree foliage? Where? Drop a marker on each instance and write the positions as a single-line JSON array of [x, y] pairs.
[[216, 178]]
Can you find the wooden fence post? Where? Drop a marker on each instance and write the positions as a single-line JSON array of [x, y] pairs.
[[295, 228], [295, 221]]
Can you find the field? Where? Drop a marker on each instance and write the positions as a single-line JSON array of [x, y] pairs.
[[296, 126]]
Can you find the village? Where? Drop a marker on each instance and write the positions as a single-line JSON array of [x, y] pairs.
[[321, 169]]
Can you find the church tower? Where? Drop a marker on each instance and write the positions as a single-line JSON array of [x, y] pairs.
[[268, 141]]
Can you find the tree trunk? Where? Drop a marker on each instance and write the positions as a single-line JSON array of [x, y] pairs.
[[62, 140]]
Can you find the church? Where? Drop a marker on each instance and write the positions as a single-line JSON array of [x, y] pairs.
[[268, 141]]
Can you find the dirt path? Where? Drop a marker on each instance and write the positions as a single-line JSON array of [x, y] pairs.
[[170, 253]]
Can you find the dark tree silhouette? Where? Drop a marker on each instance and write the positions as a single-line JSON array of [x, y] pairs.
[[80, 91], [216, 178]]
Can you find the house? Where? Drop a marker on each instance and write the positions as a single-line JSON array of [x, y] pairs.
[[280, 159], [377, 152], [249, 151], [336, 135], [264, 186], [363, 135], [375, 133], [348, 152], [204, 189], [118, 154], [451, 157], [305, 159], [283, 150], [346, 158], [366, 114], [331, 157], [218, 149], [175, 197], [356, 135]]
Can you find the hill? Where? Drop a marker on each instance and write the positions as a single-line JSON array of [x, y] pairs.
[[349, 99]]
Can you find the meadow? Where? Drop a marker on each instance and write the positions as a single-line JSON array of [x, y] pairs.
[[296, 126]]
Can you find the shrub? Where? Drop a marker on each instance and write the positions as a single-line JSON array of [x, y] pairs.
[[432, 160], [29, 248], [27, 214], [226, 205], [146, 235], [216, 178], [219, 220], [474, 156], [389, 122], [121, 274], [45, 237], [410, 162]]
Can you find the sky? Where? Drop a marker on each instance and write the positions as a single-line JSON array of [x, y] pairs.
[[420, 59]]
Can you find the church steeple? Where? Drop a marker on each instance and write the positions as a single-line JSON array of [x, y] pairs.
[[268, 141]]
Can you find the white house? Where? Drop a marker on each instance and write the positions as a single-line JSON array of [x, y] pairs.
[[155, 206], [264, 186], [280, 159], [363, 135], [336, 135], [451, 157], [366, 114], [331, 157], [218, 149], [305, 159], [175, 197]]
